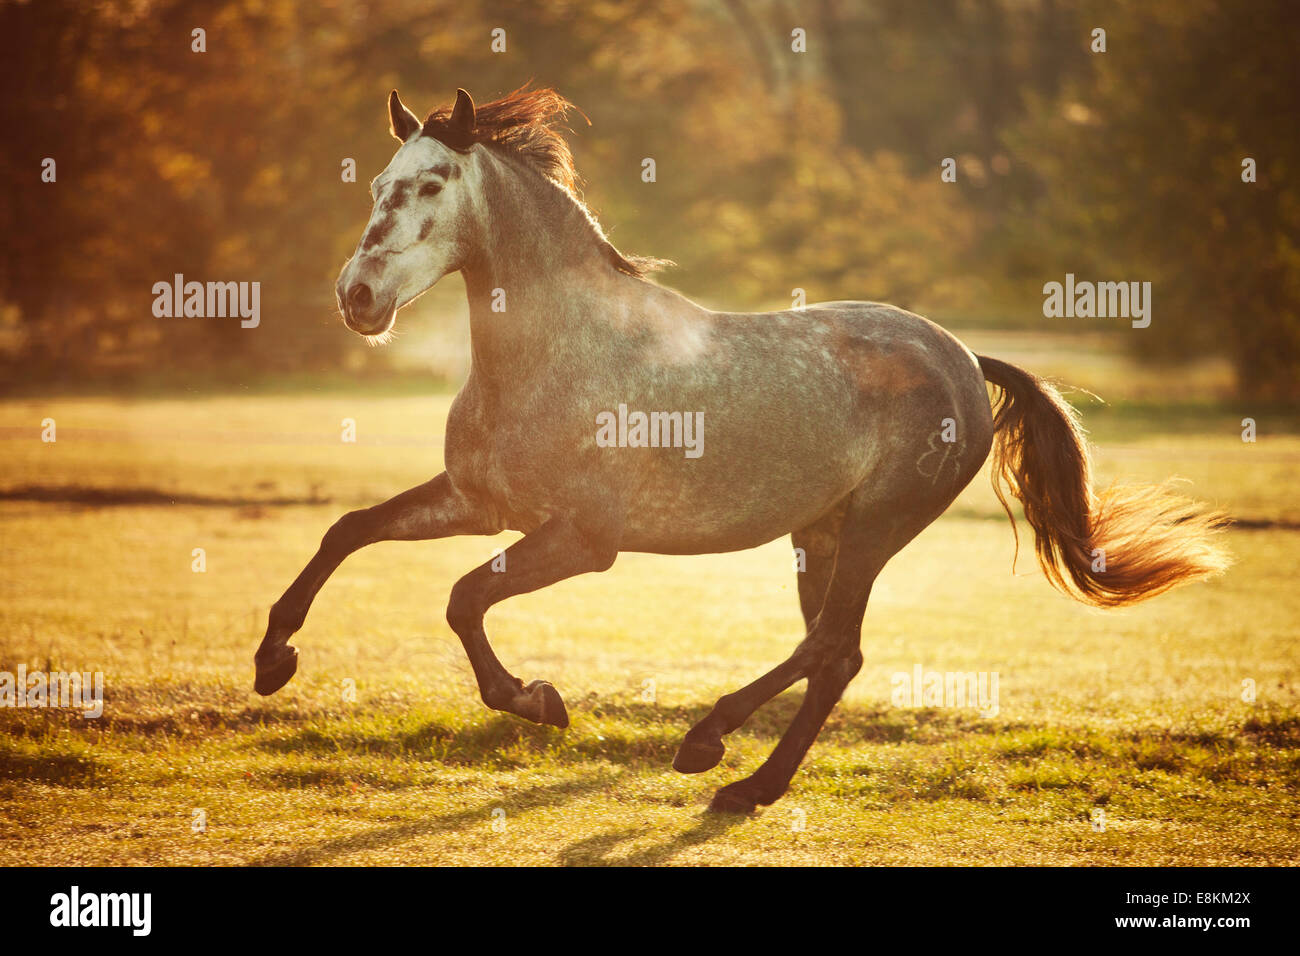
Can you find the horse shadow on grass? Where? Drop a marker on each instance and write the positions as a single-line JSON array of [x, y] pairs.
[[477, 746], [595, 850], [476, 816], [587, 852]]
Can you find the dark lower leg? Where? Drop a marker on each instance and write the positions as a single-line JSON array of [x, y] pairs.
[[557, 550], [431, 510], [835, 658], [702, 747], [770, 780]]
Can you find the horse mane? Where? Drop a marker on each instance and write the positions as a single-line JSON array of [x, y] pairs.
[[523, 124]]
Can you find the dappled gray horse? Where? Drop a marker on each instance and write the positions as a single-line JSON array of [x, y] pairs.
[[848, 425]]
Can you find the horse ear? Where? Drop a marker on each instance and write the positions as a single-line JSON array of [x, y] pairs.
[[462, 116], [401, 121]]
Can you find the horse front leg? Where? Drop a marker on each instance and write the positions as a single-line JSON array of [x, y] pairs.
[[434, 509], [561, 548]]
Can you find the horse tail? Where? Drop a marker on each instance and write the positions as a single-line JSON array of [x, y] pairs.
[[1107, 549]]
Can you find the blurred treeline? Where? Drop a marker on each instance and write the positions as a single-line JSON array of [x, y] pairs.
[[775, 169]]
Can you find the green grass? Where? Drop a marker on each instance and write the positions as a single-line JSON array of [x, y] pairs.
[[1136, 714]]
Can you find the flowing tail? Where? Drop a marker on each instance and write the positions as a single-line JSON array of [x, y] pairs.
[[1112, 548]]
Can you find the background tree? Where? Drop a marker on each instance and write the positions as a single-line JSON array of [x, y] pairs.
[[775, 169]]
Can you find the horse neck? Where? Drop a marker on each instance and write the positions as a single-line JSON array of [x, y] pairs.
[[537, 246]]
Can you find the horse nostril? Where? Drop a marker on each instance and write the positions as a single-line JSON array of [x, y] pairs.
[[359, 296]]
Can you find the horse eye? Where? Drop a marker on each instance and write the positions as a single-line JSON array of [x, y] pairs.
[[430, 189]]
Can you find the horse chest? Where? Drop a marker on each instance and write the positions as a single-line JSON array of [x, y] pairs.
[[490, 459]]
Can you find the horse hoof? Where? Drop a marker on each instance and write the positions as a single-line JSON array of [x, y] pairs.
[[274, 671], [732, 799], [697, 757], [549, 705]]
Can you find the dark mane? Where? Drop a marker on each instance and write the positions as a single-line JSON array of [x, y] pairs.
[[523, 123]]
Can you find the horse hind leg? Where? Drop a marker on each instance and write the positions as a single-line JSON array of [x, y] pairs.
[[874, 530], [702, 748], [816, 546]]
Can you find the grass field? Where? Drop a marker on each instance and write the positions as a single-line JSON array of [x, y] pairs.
[[1120, 737]]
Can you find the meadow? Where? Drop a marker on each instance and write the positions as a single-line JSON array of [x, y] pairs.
[[1165, 734]]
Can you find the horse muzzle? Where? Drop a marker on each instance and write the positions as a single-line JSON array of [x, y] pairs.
[[363, 312]]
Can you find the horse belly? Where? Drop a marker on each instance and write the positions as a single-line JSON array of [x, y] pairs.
[[734, 506]]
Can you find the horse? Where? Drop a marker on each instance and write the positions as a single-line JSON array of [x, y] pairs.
[[850, 426]]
